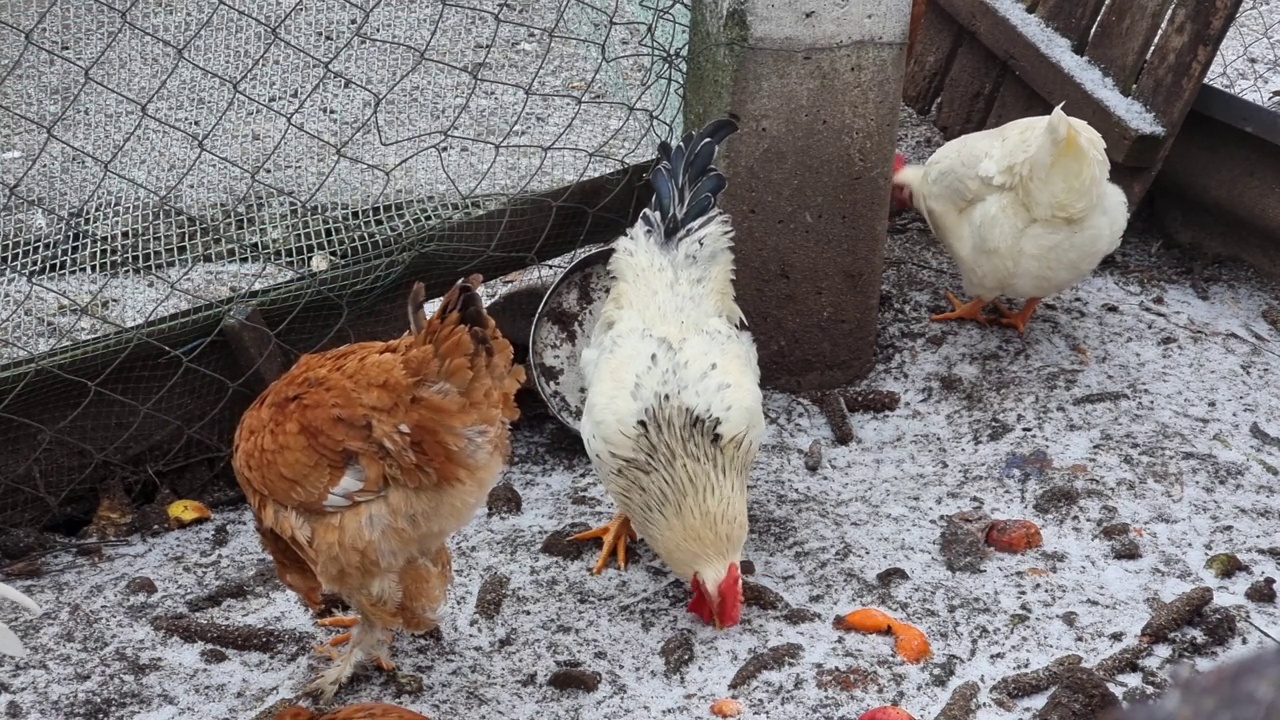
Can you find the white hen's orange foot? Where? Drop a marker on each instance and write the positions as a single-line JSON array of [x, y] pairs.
[[615, 533], [971, 310], [1017, 320]]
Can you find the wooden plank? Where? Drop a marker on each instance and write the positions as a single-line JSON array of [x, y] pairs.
[[1124, 35], [1182, 56], [1239, 113], [255, 348], [1074, 19], [937, 39], [1175, 70], [970, 90], [913, 30], [1016, 100], [1125, 144]]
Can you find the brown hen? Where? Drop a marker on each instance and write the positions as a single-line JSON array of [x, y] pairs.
[[361, 461]]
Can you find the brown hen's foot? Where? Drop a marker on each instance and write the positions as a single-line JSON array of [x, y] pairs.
[[342, 621], [1017, 320], [615, 533], [971, 310], [350, 621]]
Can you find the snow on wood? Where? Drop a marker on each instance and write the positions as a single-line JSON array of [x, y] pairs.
[[1058, 49]]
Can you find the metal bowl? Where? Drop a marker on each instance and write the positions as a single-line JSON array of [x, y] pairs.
[[562, 328]]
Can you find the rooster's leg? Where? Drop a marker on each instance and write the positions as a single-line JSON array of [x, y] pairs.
[[971, 310], [615, 534], [1017, 320]]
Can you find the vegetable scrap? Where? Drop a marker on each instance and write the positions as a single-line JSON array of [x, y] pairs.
[[726, 708], [1014, 536], [186, 512], [910, 642], [886, 712], [867, 620]]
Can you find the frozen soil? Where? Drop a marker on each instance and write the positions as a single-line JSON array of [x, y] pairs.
[[1139, 412]]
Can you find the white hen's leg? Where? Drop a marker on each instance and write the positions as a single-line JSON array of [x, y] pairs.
[[971, 310]]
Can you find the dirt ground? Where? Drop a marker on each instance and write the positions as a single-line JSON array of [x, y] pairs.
[[1137, 424]]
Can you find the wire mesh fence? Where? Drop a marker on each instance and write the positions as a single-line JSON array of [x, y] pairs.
[[1248, 62], [161, 162]]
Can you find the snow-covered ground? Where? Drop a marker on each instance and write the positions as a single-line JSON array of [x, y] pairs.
[[1248, 63], [1146, 396]]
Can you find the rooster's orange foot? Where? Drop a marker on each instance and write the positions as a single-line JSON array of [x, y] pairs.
[[615, 533], [971, 310], [1017, 320]]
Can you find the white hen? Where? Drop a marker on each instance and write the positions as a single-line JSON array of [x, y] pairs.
[[1026, 210], [9, 643], [674, 414]]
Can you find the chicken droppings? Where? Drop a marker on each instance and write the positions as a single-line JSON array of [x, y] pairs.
[[1175, 614], [575, 679], [774, 658], [1031, 682], [963, 703]]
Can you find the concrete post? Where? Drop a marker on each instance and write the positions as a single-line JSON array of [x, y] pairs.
[[817, 84]]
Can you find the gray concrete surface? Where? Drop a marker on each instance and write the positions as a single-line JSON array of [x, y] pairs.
[[817, 86]]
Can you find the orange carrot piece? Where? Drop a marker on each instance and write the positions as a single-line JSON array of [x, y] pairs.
[[910, 643], [867, 620]]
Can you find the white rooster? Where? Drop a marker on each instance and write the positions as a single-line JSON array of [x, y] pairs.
[[9, 643], [674, 414], [1026, 210]]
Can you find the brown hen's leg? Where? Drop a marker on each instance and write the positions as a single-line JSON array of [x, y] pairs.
[[1017, 320], [971, 310], [366, 640], [350, 621], [615, 533]]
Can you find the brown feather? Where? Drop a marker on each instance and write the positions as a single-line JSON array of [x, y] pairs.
[[425, 419]]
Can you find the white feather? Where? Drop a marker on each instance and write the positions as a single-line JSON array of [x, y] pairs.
[[27, 603], [670, 328], [351, 482], [9, 642]]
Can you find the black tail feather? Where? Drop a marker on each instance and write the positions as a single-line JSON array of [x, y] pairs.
[[685, 180]]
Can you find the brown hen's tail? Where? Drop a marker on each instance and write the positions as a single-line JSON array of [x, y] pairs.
[[464, 300], [417, 317]]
